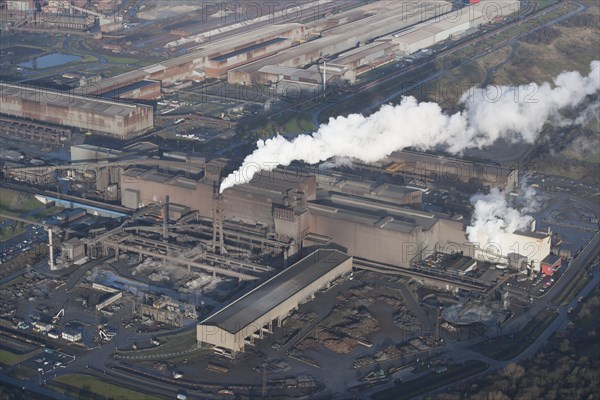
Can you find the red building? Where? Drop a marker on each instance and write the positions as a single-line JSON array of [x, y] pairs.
[[550, 264]]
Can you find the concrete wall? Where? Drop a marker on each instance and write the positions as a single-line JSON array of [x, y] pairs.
[[369, 242]]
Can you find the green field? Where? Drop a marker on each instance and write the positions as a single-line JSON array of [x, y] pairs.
[[12, 202], [121, 60], [103, 388], [286, 123], [431, 381], [8, 233], [18, 279], [10, 358]]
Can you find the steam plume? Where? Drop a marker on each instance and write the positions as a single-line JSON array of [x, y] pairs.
[[493, 217], [512, 113]]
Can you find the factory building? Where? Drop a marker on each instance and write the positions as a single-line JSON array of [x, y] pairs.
[[72, 251], [434, 170], [252, 203], [369, 220], [256, 202], [354, 41], [251, 316], [121, 120], [455, 23], [550, 264], [382, 231], [17, 128], [529, 247], [16, 14], [374, 39], [399, 195], [336, 40], [212, 61], [289, 80], [142, 90], [367, 57]]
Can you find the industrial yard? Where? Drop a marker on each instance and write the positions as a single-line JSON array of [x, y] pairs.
[[180, 218]]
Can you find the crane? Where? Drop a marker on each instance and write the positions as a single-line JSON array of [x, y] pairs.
[[60, 313]]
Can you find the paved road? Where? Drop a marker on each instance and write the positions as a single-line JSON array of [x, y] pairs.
[[32, 386]]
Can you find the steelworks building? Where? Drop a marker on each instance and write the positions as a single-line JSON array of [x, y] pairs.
[[252, 315], [121, 120]]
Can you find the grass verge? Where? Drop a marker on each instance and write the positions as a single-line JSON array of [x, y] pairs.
[[9, 358], [18, 279], [571, 290], [74, 385]]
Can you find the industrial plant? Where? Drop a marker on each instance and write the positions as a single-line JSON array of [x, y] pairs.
[[197, 203]]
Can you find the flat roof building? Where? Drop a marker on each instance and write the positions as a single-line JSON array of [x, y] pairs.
[[249, 317], [122, 120], [433, 169], [381, 231]]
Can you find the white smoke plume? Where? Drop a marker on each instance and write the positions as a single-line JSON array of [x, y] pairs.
[[590, 114], [336, 162], [512, 113], [493, 216], [529, 198]]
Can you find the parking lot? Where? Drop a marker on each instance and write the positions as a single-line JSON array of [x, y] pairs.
[[536, 286], [32, 236], [51, 360]]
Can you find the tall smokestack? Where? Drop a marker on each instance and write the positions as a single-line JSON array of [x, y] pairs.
[[50, 250]]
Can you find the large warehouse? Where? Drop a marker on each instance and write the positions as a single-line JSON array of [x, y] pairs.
[[249, 203], [436, 30], [370, 220], [348, 35], [122, 120], [435, 170], [531, 247], [253, 314], [382, 231], [212, 61]]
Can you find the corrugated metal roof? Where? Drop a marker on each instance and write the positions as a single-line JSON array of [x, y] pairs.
[[67, 100], [256, 303]]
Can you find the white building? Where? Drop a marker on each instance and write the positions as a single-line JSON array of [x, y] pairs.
[[531, 246], [72, 336]]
